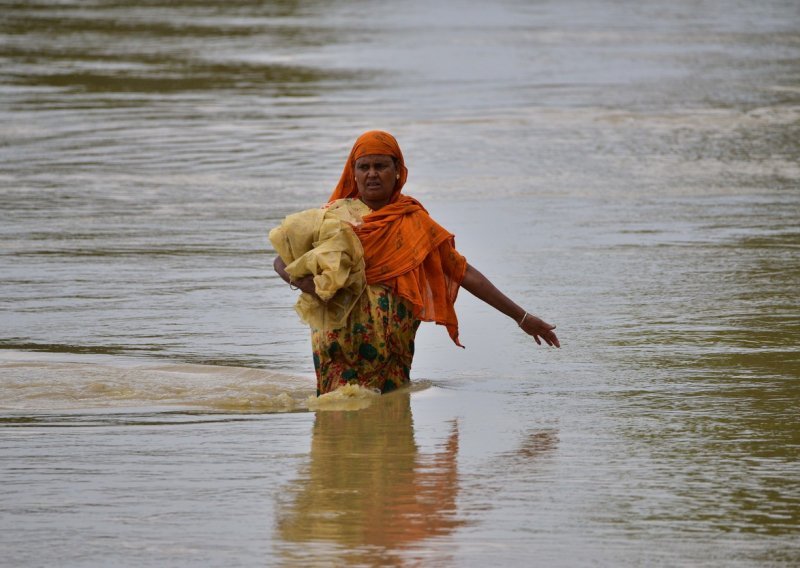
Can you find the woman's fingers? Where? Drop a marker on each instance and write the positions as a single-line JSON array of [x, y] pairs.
[[541, 330]]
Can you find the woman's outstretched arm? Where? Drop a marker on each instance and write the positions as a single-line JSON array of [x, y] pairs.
[[479, 286]]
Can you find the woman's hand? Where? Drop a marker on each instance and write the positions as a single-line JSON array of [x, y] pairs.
[[306, 284], [540, 329]]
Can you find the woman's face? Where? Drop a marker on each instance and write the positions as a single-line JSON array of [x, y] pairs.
[[376, 176]]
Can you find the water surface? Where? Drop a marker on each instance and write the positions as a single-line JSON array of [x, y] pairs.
[[627, 172]]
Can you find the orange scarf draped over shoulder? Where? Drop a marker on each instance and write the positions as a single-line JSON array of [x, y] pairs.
[[404, 248]]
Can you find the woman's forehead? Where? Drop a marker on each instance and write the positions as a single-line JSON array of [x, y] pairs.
[[374, 158]]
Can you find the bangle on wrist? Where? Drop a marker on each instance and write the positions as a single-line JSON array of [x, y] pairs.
[[292, 286], [523, 319]]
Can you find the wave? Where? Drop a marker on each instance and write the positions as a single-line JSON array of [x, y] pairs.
[[38, 382], [43, 382]]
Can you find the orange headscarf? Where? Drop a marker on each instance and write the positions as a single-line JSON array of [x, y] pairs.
[[404, 248]]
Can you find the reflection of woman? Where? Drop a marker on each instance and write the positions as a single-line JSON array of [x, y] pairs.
[[367, 487], [413, 273]]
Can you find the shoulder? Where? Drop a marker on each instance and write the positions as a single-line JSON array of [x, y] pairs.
[[351, 203], [347, 209], [348, 202], [412, 203]]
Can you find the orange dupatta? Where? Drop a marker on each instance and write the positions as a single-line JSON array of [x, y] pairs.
[[404, 248]]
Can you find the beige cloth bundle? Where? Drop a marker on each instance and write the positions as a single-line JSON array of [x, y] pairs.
[[322, 243]]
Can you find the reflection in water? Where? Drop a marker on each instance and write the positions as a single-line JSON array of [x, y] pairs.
[[367, 490], [534, 445]]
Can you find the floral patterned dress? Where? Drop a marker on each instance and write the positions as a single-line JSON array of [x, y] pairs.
[[374, 348]]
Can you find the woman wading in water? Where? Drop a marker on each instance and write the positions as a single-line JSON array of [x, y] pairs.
[[365, 295]]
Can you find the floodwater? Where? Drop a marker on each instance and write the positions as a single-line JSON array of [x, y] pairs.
[[628, 171]]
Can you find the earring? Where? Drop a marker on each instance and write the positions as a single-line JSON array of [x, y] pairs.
[[397, 176]]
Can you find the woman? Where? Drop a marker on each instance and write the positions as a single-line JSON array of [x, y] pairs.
[[413, 273]]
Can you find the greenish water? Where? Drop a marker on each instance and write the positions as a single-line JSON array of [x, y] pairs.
[[629, 172]]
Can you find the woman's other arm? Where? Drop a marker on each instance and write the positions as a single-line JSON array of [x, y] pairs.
[[305, 284], [479, 286]]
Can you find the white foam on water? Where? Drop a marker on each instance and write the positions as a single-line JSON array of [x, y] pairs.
[[347, 397]]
